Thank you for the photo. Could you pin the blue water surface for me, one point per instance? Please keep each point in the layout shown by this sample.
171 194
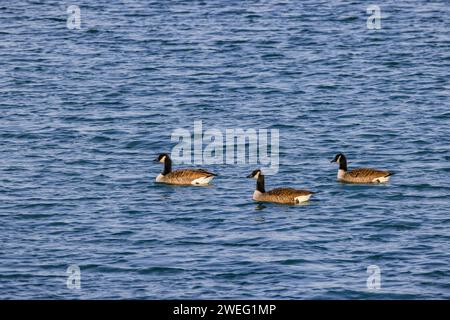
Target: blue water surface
84 113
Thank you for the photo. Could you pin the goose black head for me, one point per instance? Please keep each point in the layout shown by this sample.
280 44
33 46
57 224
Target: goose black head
255 174
338 158
163 157
341 160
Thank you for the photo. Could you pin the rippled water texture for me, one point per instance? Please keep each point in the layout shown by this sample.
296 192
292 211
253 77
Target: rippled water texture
84 113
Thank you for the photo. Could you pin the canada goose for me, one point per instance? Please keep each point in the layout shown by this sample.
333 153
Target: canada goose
359 175
182 176
278 195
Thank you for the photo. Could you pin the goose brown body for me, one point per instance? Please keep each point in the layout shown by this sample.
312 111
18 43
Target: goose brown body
284 195
187 176
278 195
182 176
365 175
359 175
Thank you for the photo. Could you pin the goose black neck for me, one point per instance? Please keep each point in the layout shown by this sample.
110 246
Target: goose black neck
343 163
167 166
260 184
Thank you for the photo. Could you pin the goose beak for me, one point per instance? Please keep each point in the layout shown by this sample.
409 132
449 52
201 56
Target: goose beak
332 161
249 176
156 160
